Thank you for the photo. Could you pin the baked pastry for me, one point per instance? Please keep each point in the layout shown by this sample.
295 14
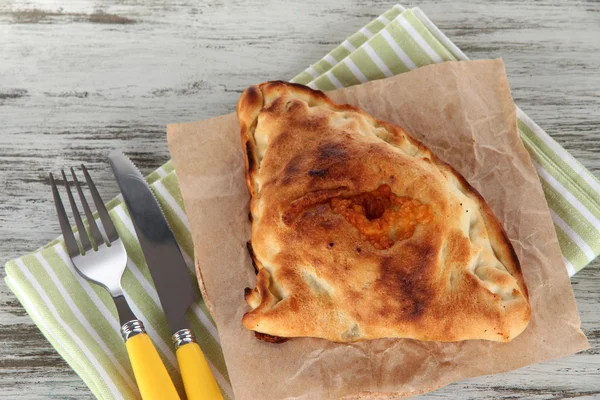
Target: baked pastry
360 232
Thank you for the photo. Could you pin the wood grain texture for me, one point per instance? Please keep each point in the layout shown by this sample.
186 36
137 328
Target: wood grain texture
81 78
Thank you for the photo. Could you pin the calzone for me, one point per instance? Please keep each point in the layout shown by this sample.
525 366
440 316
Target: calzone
360 232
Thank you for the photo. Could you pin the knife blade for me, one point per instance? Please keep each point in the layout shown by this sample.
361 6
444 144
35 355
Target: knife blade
169 273
163 256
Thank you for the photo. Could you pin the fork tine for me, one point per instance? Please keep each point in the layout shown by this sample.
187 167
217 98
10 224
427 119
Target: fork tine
83 235
65 227
98 239
109 227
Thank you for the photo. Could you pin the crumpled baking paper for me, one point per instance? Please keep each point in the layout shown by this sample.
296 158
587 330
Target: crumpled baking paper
463 111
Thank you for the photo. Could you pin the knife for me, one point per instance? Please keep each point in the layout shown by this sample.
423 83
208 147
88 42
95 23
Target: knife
169 273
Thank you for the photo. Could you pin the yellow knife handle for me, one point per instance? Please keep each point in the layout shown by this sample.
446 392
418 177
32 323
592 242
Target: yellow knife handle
198 379
150 373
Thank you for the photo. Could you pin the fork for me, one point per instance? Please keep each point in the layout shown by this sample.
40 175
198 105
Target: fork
103 262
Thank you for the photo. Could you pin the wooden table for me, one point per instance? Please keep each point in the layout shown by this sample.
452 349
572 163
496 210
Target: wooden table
78 80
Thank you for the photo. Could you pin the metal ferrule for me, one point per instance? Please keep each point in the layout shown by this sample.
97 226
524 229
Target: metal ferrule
183 336
132 328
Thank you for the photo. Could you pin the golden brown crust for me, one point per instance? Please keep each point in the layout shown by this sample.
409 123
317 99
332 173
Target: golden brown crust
455 277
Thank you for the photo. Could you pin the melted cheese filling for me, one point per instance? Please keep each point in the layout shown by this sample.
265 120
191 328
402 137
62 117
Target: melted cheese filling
381 216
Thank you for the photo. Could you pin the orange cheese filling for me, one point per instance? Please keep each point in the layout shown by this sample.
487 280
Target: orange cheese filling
381 216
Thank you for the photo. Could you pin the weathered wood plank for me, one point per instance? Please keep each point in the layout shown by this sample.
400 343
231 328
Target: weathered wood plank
80 78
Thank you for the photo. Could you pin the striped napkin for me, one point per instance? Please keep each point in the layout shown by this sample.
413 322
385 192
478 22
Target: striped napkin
79 319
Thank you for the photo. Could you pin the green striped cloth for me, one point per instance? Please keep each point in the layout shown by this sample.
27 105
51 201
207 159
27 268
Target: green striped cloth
79 319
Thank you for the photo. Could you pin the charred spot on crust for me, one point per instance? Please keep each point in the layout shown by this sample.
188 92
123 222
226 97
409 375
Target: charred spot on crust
252 95
247 292
270 338
250 217
291 169
329 151
417 309
407 285
250 156
317 172
252 256
326 223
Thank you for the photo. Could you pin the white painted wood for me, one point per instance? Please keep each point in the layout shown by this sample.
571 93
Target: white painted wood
75 84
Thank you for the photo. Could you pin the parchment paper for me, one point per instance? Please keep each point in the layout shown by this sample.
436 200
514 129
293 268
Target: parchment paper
464 112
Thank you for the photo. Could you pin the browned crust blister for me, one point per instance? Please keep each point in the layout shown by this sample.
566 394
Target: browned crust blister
282 305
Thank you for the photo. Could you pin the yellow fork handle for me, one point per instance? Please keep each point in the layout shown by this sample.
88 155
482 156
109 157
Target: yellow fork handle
197 377
150 373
